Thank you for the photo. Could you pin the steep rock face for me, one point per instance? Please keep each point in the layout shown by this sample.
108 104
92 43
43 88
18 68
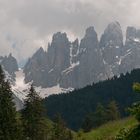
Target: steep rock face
59 57
111 45
74 51
112 35
9 64
67 64
36 67
44 69
91 68
59 52
70 75
131 54
80 63
86 62
88 66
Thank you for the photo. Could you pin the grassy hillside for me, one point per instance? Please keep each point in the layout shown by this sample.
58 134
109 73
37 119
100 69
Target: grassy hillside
109 130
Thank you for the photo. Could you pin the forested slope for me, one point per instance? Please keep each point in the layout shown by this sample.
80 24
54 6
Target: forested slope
74 106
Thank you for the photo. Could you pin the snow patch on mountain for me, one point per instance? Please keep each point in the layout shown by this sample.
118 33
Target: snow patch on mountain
45 92
136 39
123 57
51 70
20 80
69 69
20 88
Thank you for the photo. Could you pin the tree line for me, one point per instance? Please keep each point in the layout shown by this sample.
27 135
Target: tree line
76 105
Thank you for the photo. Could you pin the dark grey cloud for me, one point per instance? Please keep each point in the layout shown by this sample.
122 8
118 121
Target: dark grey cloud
26 25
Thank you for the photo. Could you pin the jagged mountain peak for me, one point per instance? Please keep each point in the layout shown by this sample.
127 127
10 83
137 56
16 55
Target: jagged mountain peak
76 64
90 32
10 58
114 29
132 32
39 52
10 55
9 64
59 41
114 25
90 40
41 49
59 36
112 36
76 42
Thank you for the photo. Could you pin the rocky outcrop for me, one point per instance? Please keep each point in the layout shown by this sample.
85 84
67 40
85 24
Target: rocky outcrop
111 45
36 67
68 64
45 68
131 54
59 58
88 67
91 67
80 63
9 65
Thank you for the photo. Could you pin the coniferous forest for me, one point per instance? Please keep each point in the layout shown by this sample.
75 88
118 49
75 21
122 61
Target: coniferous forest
75 106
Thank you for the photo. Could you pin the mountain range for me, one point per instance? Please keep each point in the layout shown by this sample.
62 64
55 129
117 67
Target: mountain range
80 63
77 64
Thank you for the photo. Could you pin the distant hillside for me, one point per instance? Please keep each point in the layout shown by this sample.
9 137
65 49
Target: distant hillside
109 130
76 105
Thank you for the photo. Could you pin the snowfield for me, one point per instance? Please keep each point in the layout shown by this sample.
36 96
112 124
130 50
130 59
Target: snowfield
20 88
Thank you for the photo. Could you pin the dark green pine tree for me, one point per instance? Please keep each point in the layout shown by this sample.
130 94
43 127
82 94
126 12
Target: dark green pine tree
99 117
32 115
8 121
87 124
113 111
59 131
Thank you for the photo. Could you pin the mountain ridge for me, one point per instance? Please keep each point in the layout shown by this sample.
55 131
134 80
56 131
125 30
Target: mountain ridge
80 63
74 65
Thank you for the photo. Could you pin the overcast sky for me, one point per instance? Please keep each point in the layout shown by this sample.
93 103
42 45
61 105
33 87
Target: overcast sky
25 25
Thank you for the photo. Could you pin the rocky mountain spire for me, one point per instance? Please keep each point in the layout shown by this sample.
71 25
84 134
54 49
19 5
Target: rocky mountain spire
88 67
131 55
80 63
111 45
112 36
